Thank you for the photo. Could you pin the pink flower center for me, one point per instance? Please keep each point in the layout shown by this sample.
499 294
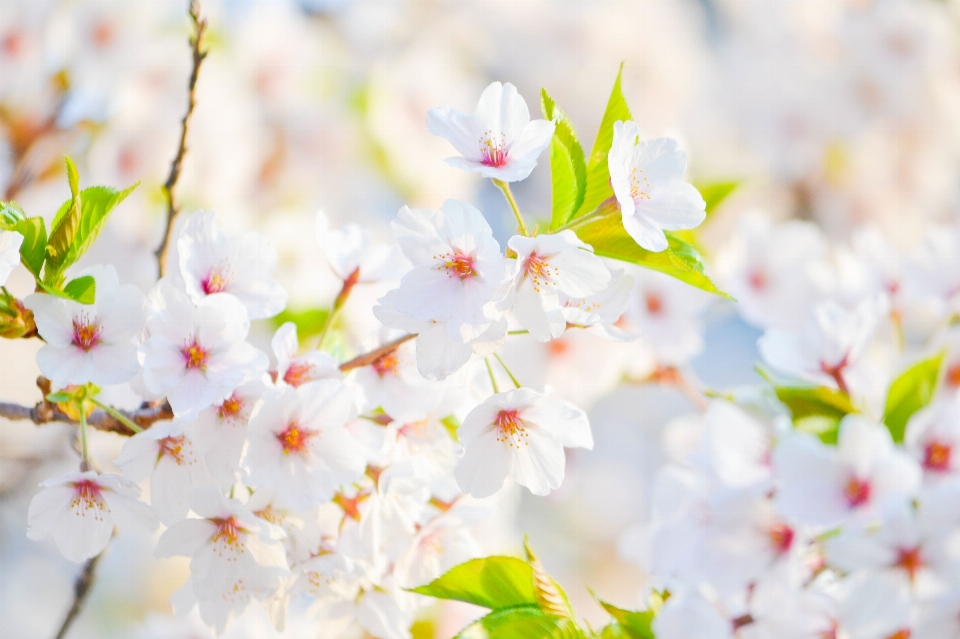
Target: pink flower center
230 408
216 280
386 364
294 439
836 372
758 280
781 537
654 303
195 356
857 492
936 456
459 265
298 373
510 428
910 560
539 271
86 332
228 531
173 447
953 376
88 498
493 151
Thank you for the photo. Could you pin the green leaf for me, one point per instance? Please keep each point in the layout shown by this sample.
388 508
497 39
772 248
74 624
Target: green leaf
680 260
568 168
816 409
309 322
33 249
910 392
63 229
714 193
11 214
491 582
633 624
82 289
521 622
550 595
60 397
598 173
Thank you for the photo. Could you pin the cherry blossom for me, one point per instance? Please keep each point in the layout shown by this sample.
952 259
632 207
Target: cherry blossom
545 267
933 438
220 432
601 312
80 509
10 242
498 140
211 263
89 342
298 445
296 369
196 355
519 434
647 178
352 253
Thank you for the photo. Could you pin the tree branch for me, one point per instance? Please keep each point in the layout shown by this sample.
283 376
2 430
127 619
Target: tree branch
81 588
173 207
369 358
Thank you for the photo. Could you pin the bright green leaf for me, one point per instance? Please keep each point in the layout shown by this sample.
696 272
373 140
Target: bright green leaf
60 397
909 393
63 229
309 322
714 193
521 622
598 174
11 214
635 625
82 289
491 582
680 260
34 246
816 409
568 168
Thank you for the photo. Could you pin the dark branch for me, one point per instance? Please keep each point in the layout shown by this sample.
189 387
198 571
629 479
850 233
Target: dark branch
81 588
173 207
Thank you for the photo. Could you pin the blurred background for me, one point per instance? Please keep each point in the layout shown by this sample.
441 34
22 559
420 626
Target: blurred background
841 113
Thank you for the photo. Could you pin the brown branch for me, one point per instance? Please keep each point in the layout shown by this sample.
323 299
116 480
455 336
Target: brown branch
173 207
81 588
369 358
45 412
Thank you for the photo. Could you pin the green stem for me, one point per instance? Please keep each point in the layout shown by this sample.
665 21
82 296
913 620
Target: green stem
338 304
84 456
493 380
520 332
509 374
606 208
507 193
120 417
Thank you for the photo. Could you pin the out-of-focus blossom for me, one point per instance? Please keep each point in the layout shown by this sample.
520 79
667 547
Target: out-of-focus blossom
10 242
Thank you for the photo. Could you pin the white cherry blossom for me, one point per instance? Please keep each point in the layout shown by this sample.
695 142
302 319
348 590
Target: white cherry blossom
294 369
498 140
601 312
89 342
196 355
10 242
547 266
933 438
298 445
220 431
211 263
80 509
167 454
647 178
519 434
352 252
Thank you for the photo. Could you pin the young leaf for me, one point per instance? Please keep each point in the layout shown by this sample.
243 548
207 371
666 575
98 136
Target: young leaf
909 393
568 168
10 214
714 193
309 321
816 410
63 229
82 289
598 173
634 625
551 597
491 582
521 622
681 260
33 249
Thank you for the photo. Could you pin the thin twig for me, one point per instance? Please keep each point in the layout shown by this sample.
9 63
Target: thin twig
81 589
173 207
369 358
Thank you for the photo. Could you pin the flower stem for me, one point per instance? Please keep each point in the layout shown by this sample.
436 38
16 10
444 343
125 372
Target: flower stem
493 380
84 456
509 374
520 332
120 417
507 193
339 303
604 209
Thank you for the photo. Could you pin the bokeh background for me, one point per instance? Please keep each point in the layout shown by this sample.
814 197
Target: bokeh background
842 113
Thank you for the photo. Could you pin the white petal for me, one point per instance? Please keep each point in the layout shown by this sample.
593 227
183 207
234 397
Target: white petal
486 462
